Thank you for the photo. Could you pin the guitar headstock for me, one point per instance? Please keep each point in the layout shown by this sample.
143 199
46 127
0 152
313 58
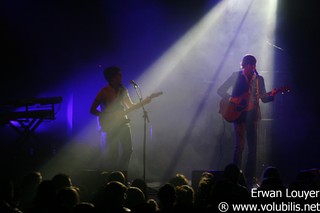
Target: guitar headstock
156 94
282 90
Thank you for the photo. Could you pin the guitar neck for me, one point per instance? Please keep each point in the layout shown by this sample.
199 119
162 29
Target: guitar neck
142 103
276 91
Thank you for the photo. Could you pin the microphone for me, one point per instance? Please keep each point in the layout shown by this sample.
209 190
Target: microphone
134 83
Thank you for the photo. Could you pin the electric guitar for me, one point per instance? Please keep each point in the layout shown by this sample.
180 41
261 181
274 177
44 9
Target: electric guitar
109 121
232 108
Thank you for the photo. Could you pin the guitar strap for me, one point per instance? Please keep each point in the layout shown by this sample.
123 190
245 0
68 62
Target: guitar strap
257 88
117 103
258 98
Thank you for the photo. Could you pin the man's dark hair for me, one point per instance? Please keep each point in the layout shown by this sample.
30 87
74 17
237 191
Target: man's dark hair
248 59
110 72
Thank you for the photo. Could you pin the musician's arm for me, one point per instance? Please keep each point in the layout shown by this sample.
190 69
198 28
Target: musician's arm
265 97
94 107
223 90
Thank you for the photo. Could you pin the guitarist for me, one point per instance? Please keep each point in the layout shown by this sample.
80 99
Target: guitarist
246 88
112 100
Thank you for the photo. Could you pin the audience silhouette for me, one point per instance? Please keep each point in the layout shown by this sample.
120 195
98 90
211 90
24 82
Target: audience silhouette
142 185
179 180
44 200
204 188
7 203
185 200
111 198
271 179
117 176
229 189
61 181
167 198
26 191
136 201
66 199
117 195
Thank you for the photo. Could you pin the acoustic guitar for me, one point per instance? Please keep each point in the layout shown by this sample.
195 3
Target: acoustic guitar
232 108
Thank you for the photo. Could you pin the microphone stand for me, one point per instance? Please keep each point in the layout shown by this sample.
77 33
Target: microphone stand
145 119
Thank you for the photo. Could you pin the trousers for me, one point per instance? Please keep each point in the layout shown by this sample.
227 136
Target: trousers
119 149
246 133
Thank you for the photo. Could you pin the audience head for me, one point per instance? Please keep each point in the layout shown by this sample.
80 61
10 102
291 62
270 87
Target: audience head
135 197
270 172
178 180
184 195
68 197
115 193
141 184
166 195
61 180
117 176
232 173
